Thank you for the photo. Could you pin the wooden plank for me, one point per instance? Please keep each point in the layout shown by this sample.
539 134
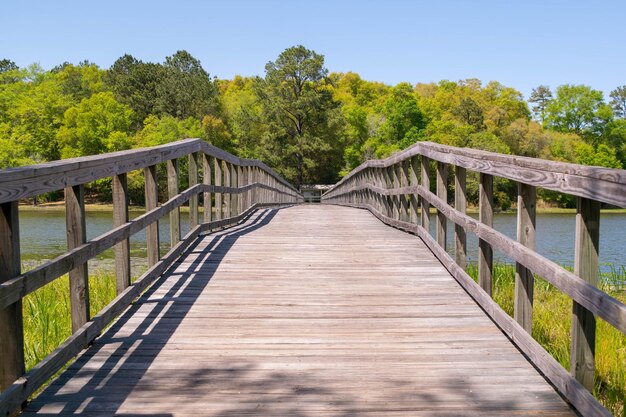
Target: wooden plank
442 192
194 160
120 217
425 178
172 191
460 204
524 280
568 386
485 252
217 335
153 241
582 351
207 180
11 327
76 236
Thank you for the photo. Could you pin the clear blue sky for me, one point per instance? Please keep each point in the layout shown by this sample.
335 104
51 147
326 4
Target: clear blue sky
519 43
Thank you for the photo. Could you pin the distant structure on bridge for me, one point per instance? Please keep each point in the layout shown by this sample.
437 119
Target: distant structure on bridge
312 193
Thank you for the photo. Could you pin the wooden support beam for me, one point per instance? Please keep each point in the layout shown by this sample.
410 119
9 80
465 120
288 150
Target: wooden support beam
582 352
76 236
485 216
227 183
172 190
524 280
413 180
442 193
11 326
207 180
153 240
120 217
425 177
217 165
194 160
460 204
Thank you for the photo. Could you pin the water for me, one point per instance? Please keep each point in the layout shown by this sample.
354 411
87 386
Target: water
42 235
555 238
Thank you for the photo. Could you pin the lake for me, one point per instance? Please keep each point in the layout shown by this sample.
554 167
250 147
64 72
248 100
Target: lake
42 234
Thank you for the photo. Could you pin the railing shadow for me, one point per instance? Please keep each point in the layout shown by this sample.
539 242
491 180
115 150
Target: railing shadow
164 318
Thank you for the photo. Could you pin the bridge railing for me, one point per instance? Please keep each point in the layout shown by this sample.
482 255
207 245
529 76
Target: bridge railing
397 191
231 187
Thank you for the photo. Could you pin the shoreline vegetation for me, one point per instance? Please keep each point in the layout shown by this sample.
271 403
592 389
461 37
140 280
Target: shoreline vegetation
47 325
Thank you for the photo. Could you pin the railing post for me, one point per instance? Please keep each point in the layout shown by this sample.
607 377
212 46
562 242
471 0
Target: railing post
442 193
413 170
152 200
120 217
582 351
76 236
193 180
425 176
485 252
234 182
206 180
11 327
460 204
172 189
217 165
227 183
404 167
524 280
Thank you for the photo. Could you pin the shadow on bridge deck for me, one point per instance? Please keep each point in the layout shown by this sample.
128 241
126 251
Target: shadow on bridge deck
311 310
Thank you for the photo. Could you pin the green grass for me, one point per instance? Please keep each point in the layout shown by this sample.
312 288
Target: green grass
552 315
47 313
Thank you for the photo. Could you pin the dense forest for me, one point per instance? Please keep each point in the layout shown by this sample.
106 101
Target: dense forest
310 125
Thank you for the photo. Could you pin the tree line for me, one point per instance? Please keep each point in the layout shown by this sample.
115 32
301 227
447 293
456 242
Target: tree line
310 125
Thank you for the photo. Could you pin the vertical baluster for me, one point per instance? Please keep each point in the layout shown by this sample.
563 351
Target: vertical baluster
76 236
234 198
172 190
485 252
120 217
193 180
227 183
404 182
413 170
206 180
524 280
442 193
460 204
152 200
425 177
585 266
217 165
11 325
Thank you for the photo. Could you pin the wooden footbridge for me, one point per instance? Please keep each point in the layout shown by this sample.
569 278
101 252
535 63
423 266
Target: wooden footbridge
269 307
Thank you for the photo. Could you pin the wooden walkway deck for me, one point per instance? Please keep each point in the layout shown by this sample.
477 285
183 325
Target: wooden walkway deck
306 311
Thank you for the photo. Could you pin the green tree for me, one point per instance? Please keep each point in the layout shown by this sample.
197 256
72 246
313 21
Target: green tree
96 125
79 81
135 84
186 90
540 96
574 109
618 101
304 123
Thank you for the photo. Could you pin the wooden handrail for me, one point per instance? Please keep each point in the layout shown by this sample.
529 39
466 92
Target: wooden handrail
245 186
397 191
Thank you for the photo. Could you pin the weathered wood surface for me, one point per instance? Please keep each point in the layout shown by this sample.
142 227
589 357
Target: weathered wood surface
597 183
302 312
